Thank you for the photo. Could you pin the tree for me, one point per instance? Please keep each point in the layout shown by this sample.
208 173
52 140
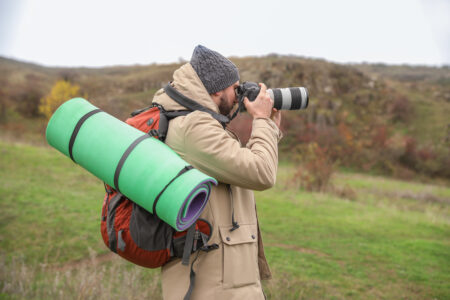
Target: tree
27 95
60 93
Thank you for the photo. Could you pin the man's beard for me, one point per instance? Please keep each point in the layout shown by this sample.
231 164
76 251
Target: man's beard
224 106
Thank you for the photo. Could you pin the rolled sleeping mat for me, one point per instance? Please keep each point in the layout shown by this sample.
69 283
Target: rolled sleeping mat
137 165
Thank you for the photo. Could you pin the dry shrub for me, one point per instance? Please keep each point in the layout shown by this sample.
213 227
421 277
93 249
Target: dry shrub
27 101
338 140
315 168
426 159
345 192
380 135
400 109
402 172
433 160
409 157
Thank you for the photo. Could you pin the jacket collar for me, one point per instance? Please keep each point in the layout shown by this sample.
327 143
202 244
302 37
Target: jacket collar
187 82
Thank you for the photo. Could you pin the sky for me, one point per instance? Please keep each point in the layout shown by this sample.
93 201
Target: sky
96 33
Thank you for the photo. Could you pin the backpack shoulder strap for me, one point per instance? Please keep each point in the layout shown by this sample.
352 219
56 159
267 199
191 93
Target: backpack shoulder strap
164 118
192 105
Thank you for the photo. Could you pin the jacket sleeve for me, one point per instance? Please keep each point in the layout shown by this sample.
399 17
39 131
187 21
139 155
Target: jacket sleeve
212 150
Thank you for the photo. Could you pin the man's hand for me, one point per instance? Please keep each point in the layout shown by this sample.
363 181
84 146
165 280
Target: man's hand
262 106
276 116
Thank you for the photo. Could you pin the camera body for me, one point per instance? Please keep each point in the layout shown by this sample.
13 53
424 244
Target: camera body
292 98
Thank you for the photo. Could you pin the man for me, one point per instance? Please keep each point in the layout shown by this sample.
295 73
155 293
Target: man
235 269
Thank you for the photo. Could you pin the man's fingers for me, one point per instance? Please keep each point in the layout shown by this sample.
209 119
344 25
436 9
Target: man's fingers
263 87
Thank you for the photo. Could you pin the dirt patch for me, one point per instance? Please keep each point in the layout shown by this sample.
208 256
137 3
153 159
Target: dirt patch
307 251
299 249
423 197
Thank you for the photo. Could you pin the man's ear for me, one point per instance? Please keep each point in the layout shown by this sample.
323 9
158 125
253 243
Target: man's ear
216 94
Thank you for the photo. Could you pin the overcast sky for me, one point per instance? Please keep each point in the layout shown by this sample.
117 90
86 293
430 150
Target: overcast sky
110 32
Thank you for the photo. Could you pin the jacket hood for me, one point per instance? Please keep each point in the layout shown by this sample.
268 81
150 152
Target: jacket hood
187 82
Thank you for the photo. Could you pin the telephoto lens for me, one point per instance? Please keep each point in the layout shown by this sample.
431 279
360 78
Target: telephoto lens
292 98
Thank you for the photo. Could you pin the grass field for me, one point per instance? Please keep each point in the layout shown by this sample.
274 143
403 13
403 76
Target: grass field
390 240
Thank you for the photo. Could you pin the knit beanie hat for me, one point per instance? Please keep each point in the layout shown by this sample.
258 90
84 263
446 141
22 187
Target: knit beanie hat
215 71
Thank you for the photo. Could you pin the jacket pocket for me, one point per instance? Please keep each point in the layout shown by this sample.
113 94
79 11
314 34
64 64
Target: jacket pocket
240 256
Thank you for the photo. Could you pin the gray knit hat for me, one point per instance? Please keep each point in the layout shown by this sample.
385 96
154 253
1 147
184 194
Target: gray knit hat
215 70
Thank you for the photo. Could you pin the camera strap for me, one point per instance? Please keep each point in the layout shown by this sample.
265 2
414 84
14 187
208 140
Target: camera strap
192 105
240 107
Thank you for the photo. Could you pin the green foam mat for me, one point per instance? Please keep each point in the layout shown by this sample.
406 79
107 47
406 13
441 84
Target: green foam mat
99 145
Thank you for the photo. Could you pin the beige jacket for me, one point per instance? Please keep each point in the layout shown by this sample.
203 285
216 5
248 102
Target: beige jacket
235 270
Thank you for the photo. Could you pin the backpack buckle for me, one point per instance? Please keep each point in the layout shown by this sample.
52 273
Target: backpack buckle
208 248
153 132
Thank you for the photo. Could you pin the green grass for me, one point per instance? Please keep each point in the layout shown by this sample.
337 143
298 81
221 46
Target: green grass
50 207
354 246
391 242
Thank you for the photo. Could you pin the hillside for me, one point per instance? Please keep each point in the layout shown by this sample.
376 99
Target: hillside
378 118
336 225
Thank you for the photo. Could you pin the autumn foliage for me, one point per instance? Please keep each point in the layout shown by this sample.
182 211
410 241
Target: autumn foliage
373 118
60 93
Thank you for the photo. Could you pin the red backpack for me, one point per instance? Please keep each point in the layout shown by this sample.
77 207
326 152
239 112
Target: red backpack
134 233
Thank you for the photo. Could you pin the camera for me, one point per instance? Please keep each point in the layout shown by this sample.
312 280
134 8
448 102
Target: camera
292 98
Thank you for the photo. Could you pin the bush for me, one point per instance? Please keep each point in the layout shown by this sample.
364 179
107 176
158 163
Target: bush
409 157
345 192
60 93
400 109
27 101
315 168
433 160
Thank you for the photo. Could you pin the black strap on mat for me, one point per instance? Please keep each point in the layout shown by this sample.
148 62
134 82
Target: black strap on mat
124 158
184 170
77 129
192 105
